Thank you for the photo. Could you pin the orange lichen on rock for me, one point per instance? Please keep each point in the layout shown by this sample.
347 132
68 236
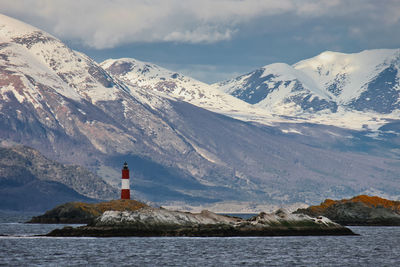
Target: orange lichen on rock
371 201
359 210
374 201
327 203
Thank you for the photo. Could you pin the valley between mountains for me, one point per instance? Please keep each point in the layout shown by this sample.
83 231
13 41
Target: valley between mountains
280 135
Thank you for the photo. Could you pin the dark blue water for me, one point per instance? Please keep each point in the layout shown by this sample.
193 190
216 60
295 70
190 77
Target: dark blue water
376 246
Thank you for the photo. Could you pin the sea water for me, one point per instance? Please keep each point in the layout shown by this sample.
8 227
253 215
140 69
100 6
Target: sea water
375 246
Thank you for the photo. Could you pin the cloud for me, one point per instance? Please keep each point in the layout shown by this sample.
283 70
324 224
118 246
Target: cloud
109 23
207 73
204 34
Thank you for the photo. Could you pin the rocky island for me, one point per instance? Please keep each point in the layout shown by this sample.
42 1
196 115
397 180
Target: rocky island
149 221
360 210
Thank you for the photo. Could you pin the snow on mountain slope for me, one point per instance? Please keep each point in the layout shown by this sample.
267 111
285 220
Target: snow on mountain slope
152 77
47 54
280 89
63 103
345 75
274 94
329 88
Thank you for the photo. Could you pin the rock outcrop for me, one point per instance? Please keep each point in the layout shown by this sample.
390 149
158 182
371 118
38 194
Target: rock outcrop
160 222
359 210
84 213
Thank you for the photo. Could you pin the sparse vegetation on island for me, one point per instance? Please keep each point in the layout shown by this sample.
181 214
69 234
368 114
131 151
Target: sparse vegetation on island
83 213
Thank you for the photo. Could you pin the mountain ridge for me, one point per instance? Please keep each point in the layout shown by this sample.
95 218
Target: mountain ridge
279 93
159 80
327 87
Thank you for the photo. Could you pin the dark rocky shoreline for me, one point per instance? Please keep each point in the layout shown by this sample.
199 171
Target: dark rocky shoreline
198 231
150 222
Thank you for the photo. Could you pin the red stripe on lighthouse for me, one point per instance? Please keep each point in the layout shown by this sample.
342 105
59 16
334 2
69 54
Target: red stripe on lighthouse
125 188
125 194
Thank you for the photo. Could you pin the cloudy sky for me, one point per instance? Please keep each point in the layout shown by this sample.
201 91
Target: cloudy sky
213 40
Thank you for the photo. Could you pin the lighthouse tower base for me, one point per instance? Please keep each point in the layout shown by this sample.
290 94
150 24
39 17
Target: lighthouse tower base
125 194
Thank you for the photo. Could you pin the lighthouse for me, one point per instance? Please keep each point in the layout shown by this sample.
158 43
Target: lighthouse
125 191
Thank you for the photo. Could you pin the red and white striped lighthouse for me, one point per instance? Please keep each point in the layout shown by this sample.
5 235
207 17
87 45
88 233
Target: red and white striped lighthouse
125 191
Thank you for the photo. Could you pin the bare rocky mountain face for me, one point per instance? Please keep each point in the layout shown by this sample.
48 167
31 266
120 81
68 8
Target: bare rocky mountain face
65 105
31 182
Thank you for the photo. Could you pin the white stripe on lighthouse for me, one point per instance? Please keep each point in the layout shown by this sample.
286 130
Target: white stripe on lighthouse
125 184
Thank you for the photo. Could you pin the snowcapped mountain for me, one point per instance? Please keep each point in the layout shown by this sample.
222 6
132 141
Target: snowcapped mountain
365 81
71 109
45 83
362 85
62 103
279 87
73 74
152 77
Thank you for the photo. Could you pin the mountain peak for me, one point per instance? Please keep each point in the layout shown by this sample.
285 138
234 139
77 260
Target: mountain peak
277 68
365 57
49 61
130 68
11 28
